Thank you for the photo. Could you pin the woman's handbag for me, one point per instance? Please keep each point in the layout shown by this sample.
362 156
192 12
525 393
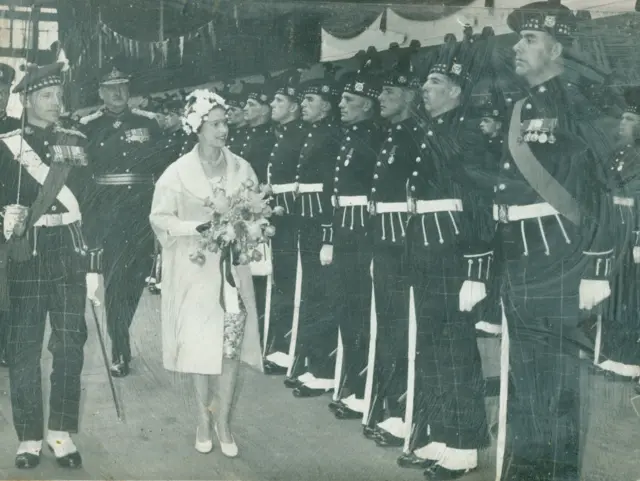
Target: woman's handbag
263 267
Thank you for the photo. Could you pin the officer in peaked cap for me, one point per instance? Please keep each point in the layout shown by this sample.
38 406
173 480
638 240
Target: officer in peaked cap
447 211
290 133
387 375
129 152
554 212
237 123
50 254
620 330
349 249
7 124
315 334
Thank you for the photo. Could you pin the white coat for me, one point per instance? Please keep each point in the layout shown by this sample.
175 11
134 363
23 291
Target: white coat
192 317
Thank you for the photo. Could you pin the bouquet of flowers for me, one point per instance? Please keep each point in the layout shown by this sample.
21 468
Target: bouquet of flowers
239 224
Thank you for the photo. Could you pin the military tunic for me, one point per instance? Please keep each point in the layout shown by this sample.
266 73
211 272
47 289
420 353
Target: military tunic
545 260
389 209
317 332
281 173
352 253
448 215
236 138
128 156
256 147
49 281
621 321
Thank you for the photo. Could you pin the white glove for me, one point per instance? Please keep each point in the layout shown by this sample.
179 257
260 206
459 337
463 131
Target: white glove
471 293
593 292
326 254
93 281
636 255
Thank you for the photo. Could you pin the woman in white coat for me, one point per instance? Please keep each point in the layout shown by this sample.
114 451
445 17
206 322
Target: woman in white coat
198 337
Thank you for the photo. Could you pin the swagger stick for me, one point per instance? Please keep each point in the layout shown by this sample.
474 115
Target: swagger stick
106 363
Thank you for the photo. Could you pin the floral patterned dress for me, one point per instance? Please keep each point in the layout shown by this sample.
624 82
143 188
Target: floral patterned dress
234 322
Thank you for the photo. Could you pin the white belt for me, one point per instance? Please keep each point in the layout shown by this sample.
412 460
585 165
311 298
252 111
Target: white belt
390 207
349 200
55 220
124 179
283 188
625 201
309 188
440 205
510 213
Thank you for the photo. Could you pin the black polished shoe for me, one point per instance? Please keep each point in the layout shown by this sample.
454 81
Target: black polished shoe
335 405
388 440
120 369
292 382
27 460
344 412
272 369
304 392
411 461
438 473
371 433
71 460
637 388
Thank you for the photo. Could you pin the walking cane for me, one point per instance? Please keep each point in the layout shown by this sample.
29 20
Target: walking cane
106 362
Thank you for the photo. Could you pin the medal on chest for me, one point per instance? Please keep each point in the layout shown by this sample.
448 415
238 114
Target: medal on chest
137 135
392 155
117 124
347 161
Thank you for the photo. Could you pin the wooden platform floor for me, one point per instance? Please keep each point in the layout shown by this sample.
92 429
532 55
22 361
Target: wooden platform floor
281 438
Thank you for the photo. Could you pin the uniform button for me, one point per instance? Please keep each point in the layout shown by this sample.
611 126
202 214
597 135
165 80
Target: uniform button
46 142
338 169
399 127
305 145
373 190
53 208
415 173
129 187
124 154
121 138
528 106
413 188
375 176
343 148
48 155
336 179
390 139
418 160
310 134
127 171
348 139
378 164
507 165
297 177
502 187
335 190
430 132
423 146
273 154
101 144
384 151
276 144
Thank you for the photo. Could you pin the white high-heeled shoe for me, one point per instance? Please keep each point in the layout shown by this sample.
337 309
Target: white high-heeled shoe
230 450
204 447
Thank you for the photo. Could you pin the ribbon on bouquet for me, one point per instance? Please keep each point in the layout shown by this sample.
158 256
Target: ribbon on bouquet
228 288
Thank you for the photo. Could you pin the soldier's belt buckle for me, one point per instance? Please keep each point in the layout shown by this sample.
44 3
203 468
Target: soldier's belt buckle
372 208
503 214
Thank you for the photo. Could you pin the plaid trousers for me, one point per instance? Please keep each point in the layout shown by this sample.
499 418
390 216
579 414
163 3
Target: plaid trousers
52 282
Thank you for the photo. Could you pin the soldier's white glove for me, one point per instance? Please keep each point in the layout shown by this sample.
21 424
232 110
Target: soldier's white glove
326 254
636 255
93 282
471 293
593 292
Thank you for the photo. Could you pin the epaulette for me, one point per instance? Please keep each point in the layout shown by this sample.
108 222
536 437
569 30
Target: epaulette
11 134
71 132
144 113
88 118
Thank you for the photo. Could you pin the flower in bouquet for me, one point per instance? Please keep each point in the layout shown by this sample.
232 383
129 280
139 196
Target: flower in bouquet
199 103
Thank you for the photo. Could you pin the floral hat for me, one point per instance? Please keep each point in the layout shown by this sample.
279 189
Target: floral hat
199 103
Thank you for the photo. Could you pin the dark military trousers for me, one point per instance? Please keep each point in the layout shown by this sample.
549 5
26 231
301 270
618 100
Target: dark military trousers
391 290
4 333
53 282
284 247
260 289
317 337
352 263
128 258
547 415
448 396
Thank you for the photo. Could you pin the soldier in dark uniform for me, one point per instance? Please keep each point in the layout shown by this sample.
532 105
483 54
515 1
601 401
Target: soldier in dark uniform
387 375
46 258
557 250
128 155
7 124
350 250
290 132
445 405
314 339
237 122
259 137
619 348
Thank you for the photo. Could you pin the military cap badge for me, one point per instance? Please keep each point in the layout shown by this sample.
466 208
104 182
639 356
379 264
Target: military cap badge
291 91
550 21
359 87
456 69
325 89
402 79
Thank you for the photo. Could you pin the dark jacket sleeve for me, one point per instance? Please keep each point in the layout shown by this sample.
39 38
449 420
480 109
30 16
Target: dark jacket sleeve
330 151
